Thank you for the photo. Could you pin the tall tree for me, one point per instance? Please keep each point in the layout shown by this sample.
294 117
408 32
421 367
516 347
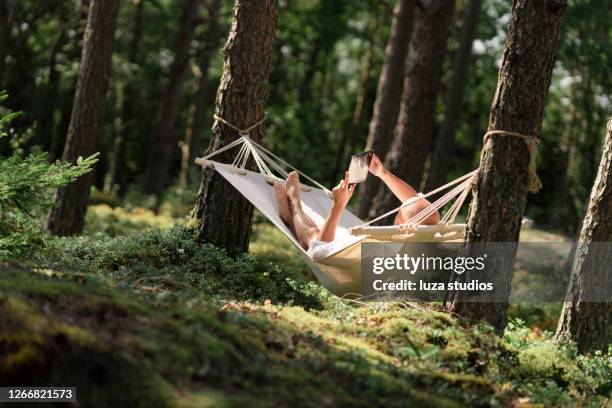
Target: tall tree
585 317
222 215
415 125
46 121
388 94
197 119
7 17
445 142
68 215
505 173
130 94
360 101
164 135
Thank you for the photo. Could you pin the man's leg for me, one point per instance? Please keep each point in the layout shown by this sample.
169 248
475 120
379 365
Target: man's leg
304 227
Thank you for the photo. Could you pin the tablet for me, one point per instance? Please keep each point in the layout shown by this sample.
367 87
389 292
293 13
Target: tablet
358 169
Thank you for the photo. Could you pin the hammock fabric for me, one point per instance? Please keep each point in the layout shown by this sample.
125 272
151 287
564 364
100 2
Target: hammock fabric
340 272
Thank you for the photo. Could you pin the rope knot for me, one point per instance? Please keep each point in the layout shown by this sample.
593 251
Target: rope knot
242 132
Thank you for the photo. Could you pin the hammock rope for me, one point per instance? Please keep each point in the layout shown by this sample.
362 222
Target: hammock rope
266 161
244 131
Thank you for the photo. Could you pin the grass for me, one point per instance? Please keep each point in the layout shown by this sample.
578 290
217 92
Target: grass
153 319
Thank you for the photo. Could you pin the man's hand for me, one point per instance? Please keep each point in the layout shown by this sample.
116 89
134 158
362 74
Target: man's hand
376 166
343 192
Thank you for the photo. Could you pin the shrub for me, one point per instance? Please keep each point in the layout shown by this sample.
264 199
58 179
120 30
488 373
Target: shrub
26 184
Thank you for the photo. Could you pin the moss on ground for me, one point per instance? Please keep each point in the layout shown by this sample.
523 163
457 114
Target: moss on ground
156 320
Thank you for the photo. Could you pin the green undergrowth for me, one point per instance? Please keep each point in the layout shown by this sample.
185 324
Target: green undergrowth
153 319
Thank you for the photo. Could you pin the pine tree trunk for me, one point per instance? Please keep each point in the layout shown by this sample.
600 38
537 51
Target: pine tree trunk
500 191
197 121
413 135
68 215
130 94
445 143
222 215
583 320
164 135
388 95
360 101
7 17
46 122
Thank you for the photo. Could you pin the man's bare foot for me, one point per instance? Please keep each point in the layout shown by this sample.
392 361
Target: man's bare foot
293 190
284 208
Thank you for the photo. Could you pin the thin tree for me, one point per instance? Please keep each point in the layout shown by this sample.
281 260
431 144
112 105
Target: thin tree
445 142
85 128
52 93
586 315
221 214
506 169
388 94
197 120
164 135
413 136
7 18
129 95
352 138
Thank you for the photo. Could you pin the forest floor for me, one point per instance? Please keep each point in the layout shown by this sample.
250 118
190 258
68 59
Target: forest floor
136 313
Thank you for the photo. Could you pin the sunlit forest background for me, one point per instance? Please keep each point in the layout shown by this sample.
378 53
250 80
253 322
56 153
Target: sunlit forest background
327 56
137 311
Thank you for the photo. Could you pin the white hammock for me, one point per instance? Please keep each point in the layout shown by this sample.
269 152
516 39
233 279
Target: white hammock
340 272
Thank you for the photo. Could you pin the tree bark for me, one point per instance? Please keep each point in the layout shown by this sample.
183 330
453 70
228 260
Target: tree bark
360 102
52 92
7 17
500 189
388 95
445 143
68 215
584 320
197 121
414 131
221 214
130 94
164 135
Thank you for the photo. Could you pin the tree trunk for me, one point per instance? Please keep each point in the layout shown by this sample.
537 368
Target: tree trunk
388 95
500 191
414 131
7 17
130 94
164 135
222 215
584 320
68 215
46 123
197 121
445 143
358 109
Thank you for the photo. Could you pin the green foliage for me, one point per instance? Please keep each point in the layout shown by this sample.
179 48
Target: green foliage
26 185
173 259
171 345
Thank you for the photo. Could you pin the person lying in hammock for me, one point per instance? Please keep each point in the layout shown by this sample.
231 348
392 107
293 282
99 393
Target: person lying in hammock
319 242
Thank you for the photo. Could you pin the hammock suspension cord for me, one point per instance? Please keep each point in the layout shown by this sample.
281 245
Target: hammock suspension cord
265 160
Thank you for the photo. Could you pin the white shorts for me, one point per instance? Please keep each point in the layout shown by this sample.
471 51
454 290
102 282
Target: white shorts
319 249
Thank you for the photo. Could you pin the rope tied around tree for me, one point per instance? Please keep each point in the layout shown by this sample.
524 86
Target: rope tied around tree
533 184
242 132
